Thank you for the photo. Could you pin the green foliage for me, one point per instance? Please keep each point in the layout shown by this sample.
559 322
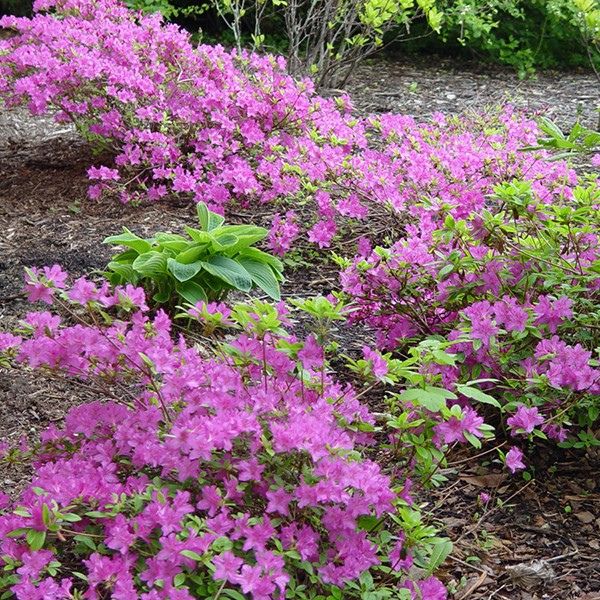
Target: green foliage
579 141
203 265
168 8
524 34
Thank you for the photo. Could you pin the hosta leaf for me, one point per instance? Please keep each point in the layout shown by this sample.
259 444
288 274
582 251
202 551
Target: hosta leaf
224 242
259 255
130 240
183 272
150 263
124 270
244 242
208 219
202 237
127 256
165 290
243 230
192 292
192 254
172 241
262 275
229 271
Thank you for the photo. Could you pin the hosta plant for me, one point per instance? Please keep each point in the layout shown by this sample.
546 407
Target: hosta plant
203 265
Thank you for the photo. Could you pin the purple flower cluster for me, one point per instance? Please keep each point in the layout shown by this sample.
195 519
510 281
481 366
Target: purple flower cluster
219 126
509 284
233 469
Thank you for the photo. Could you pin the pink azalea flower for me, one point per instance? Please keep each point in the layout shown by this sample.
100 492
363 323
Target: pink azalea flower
525 419
379 365
514 460
311 354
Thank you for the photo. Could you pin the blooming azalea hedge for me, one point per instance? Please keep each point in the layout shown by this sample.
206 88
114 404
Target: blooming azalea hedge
223 127
245 469
198 476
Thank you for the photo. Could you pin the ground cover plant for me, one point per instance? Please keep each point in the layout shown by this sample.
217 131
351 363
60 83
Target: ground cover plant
201 476
229 455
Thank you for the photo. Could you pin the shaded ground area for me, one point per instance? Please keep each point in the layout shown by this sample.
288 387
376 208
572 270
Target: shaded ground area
46 218
429 84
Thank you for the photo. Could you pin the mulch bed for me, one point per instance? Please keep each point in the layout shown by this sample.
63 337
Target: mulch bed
46 218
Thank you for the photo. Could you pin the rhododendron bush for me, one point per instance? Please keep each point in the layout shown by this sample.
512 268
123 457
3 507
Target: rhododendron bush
218 126
201 475
512 289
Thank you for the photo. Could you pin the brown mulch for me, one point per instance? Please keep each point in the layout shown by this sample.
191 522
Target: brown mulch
47 219
427 84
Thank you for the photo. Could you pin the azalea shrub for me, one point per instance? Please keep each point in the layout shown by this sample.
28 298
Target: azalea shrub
225 127
512 289
239 469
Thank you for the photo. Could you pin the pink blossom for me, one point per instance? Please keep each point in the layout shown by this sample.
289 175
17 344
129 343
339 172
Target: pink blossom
514 460
525 419
454 429
311 354
379 365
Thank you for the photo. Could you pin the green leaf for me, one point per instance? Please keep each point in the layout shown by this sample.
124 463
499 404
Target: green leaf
262 275
269 259
35 539
165 290
124 270
126 257
86 540
208 219
472 439
130 240
199 236
550 128
17 532
431 398
229 271
192 254
192 292
233 594
150 263
477 394
71 517
224 242
193 555
246 235
439 554
172 241
183 272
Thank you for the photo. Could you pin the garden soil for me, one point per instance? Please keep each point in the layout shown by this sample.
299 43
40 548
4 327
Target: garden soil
541 542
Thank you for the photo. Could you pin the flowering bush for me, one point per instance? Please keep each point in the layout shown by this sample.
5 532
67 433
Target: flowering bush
513 289
198 476
219 126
